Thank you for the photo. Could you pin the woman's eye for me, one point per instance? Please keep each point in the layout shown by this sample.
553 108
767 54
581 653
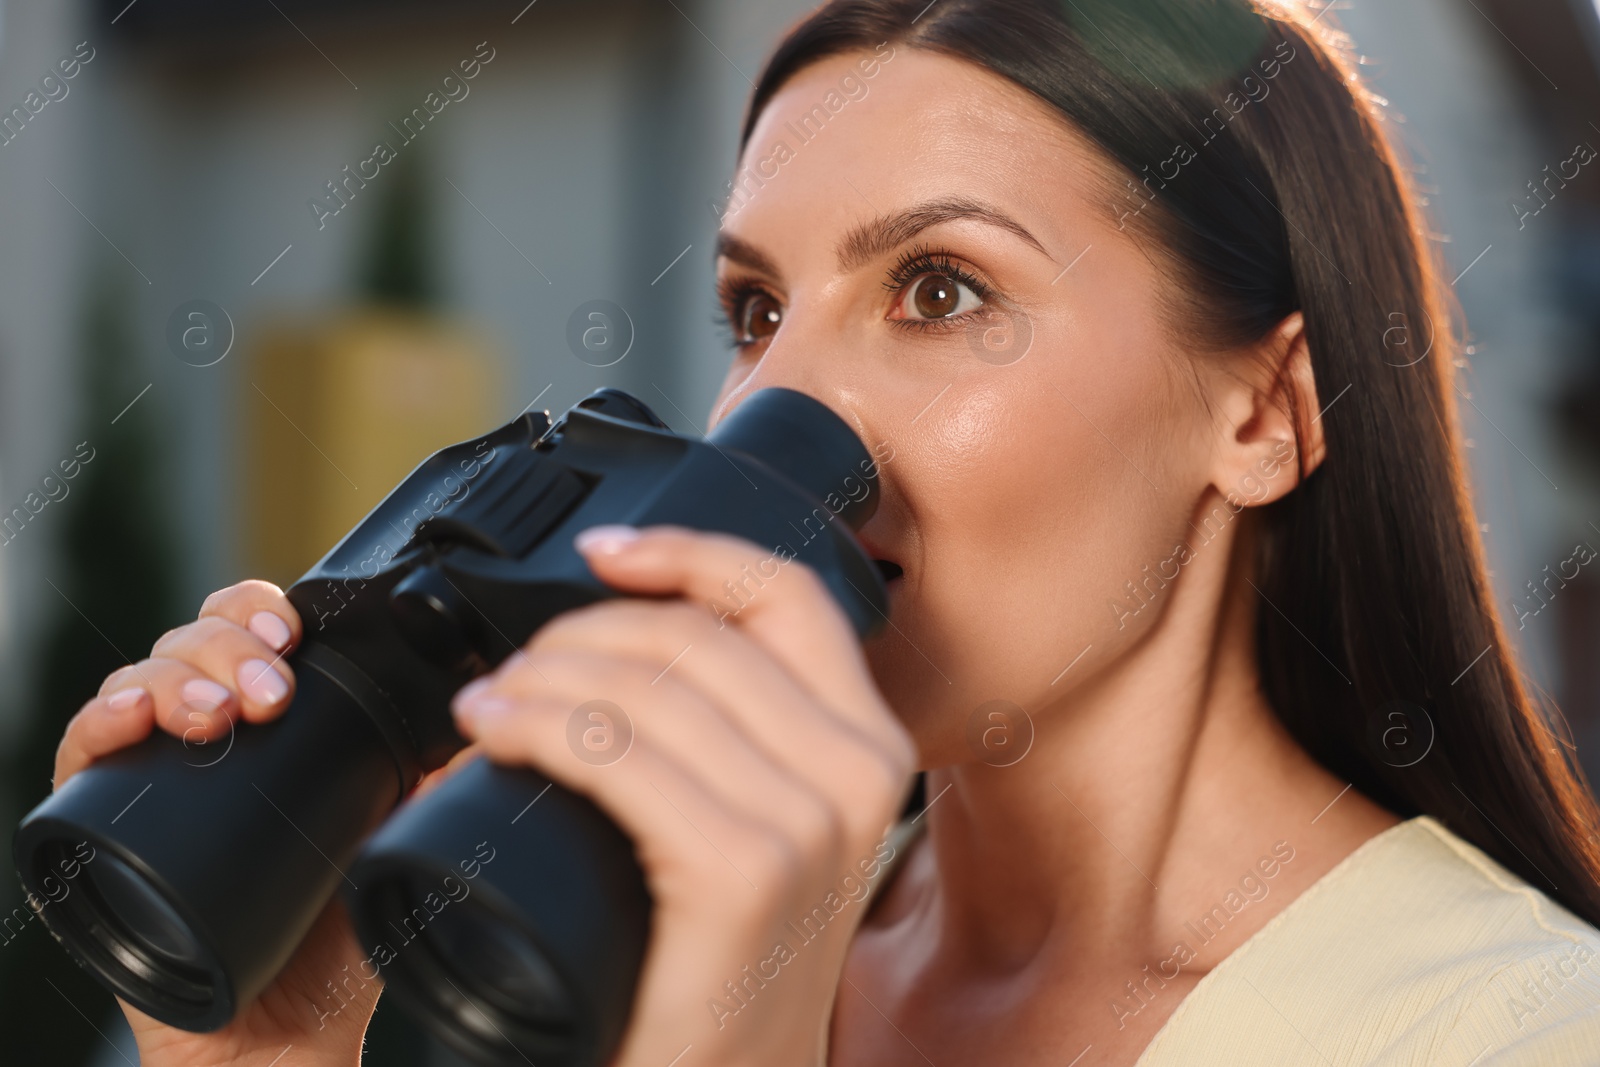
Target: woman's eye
938 296
759 316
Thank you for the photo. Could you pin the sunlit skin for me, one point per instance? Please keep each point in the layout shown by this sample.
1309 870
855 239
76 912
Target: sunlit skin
1020 496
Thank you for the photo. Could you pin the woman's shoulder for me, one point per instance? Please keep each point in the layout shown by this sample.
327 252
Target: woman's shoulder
1416 948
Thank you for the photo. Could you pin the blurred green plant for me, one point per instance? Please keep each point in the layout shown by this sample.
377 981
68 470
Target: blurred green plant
400 262
115 579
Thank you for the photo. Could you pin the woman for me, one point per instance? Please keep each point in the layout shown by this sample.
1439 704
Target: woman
1227 759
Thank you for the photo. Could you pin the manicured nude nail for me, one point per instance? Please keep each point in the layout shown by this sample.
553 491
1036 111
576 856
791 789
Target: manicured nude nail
484 706
205 692
271 629
259 681
606 540
126 699
473 690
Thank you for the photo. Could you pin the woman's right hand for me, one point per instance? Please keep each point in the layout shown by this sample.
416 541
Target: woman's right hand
198 681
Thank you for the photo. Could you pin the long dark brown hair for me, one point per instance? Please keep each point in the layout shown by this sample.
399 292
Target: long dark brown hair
1379 646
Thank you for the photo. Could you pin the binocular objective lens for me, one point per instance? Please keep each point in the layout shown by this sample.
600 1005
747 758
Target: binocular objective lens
499 963
142 913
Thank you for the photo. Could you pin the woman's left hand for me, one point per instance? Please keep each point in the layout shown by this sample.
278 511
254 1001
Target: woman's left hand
764 770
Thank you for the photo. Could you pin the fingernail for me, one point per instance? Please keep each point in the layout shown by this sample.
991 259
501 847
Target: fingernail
204 691
259 682
482 707
271 629
473 690
606 540
125 699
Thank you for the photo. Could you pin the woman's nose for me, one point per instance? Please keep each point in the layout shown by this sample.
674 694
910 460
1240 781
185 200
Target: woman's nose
801 359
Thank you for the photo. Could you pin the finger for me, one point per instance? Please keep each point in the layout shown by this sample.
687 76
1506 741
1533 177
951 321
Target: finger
102 726
738 676
689 729
683 833
782 605
189 704
259 607
235 658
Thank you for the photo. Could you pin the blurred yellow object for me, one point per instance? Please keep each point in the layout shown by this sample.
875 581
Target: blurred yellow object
336 413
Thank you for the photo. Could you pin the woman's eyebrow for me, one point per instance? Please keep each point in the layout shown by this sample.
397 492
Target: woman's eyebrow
872 239
883 234
746 254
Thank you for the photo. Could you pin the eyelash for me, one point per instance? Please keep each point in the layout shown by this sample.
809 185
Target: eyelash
921 260
731 295
913 264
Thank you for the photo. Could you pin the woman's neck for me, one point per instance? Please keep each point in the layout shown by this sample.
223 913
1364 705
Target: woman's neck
1150 794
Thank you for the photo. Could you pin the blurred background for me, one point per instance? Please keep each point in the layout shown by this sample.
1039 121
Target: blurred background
229 323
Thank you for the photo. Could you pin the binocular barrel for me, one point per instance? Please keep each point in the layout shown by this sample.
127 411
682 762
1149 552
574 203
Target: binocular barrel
207 863
507 912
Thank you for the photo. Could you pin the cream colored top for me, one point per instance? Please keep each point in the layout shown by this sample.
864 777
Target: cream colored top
1416 949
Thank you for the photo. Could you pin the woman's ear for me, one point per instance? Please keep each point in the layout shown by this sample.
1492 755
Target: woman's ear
1271 436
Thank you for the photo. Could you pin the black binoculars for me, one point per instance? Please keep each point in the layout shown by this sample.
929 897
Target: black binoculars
508 913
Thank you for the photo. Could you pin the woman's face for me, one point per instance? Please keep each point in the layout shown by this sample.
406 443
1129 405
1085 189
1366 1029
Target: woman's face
925 254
